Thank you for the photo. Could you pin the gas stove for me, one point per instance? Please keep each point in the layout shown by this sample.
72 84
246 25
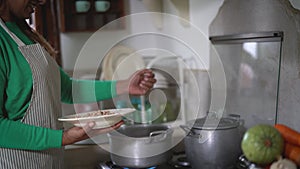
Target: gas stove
178 161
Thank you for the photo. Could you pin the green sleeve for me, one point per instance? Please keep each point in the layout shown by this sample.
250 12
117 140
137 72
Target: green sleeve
85 91
17 135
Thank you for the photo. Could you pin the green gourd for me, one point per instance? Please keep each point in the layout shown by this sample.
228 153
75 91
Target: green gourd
262 144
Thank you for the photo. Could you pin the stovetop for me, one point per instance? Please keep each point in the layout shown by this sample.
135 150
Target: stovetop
178 161
110 165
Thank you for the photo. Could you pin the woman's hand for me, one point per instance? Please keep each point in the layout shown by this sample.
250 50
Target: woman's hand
76 134
138 84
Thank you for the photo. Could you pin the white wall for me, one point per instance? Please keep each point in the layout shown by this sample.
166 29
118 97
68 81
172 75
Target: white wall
190 41
73 43
201 14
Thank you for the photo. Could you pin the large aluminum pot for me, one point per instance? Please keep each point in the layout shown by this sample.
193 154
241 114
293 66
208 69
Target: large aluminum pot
213 143
141 146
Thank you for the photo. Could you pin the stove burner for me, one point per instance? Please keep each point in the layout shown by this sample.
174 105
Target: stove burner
179 160
145 168
110 165
182 161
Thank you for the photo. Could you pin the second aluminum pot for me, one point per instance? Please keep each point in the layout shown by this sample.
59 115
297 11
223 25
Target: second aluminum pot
213 143
141 146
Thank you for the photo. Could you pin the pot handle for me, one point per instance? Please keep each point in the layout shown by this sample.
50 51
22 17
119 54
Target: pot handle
187 129
202 136
235 117
153 139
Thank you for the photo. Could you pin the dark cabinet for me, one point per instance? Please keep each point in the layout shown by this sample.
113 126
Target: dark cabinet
90 17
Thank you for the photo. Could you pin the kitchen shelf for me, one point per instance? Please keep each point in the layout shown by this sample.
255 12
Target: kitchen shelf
90 21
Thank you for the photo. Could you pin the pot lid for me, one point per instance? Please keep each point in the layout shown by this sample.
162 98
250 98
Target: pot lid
215 123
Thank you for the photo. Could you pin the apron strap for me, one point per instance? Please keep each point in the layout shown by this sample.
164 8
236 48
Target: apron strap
12 35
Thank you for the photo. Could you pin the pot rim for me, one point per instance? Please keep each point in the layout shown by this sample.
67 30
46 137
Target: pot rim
117 135
215 123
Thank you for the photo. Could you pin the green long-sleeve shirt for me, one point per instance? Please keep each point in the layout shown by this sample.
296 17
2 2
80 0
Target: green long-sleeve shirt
15 94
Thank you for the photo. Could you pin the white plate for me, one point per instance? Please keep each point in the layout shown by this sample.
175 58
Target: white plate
102 118
120 63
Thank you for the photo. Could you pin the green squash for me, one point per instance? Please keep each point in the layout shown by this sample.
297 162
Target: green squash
262 144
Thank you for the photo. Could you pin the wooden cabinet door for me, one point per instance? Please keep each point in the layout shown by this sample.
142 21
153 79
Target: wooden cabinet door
73 21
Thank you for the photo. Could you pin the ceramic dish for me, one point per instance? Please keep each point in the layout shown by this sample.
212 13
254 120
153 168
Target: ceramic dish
102 118
120 63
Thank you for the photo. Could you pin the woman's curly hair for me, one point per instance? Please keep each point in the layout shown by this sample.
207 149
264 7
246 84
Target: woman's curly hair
38 38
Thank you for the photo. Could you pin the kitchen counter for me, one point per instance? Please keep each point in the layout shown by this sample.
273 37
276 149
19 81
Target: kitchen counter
84 156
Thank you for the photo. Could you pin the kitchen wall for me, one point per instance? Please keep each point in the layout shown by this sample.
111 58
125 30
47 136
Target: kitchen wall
200 14
270 15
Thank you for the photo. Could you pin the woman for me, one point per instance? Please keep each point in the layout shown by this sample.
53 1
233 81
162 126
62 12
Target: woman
31 88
